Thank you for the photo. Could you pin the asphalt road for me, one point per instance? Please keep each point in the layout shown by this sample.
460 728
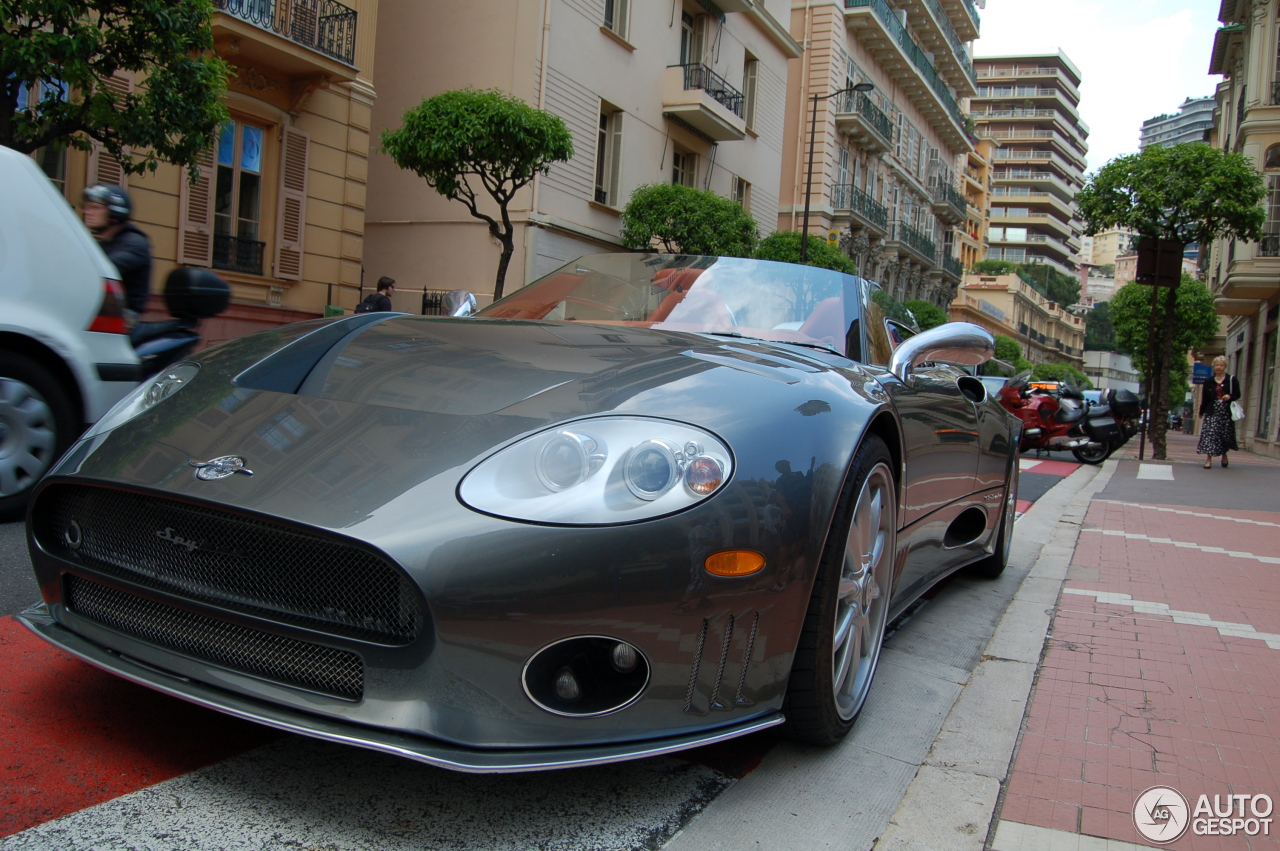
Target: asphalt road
18 587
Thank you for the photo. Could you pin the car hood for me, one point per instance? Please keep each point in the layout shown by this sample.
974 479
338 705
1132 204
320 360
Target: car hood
341 420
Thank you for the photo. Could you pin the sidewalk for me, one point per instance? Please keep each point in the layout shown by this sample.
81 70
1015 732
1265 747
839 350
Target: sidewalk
1160 668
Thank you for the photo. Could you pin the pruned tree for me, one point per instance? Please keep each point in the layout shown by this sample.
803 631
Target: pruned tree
1186 193
683 220
66 71
489 137
784 246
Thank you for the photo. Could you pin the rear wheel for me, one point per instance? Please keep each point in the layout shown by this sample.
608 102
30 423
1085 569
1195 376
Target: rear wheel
36 425
1092 453
993 565
844 626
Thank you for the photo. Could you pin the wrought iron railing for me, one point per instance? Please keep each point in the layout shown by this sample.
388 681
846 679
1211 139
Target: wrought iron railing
957 46
952 266
699 76
1269 245
947 194
917 56
858 103
236 254
846 196
325 26
914 239
973 13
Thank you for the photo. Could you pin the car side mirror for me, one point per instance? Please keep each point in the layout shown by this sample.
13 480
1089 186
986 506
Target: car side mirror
955 342
458 303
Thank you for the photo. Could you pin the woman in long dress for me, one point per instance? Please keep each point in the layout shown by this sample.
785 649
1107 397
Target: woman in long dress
1217 429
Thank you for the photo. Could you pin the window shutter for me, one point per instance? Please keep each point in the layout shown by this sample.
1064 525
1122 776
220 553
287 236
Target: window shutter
195 243
291 218
103 167
615 157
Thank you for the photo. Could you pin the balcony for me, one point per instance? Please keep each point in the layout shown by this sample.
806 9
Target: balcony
1069 145
948 203
919 244
937 35
300 38
1034 72
871 213
884 36
1072 128
952 267
1023 93
863 122
235 254
702 99
1046 180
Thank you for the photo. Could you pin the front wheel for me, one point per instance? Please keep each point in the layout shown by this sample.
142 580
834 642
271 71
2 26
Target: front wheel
848 610
1092 453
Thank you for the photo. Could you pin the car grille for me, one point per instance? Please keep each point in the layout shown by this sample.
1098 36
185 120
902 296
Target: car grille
250 651
246 564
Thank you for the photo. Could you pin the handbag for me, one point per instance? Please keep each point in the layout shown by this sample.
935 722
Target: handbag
1237 411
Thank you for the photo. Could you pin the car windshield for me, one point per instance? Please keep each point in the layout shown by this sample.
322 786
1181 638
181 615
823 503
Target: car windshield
758 299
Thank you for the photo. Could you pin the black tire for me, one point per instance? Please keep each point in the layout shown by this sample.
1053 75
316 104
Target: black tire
37 424
840 641
1093 453
993 565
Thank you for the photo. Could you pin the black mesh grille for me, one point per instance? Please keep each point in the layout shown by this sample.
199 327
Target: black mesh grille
254 566
259 654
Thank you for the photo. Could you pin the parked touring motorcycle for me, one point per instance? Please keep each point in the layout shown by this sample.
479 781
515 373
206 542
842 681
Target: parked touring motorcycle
190 294
1067 420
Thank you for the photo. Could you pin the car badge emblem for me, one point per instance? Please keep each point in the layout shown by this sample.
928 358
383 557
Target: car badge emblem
219 468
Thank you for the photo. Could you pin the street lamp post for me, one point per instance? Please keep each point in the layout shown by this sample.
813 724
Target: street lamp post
813 132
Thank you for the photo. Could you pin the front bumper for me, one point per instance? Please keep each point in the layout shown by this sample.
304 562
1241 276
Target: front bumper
440 754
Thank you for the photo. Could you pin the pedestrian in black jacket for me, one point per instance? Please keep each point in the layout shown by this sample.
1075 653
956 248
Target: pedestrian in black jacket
107 210
381 300
1218 430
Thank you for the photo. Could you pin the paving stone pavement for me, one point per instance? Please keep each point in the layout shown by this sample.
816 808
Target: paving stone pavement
1161 668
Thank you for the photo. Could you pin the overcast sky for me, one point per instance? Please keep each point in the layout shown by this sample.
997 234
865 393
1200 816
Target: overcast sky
1137 58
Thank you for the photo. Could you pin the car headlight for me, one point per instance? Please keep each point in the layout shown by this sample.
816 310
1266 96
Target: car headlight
600 471
145 396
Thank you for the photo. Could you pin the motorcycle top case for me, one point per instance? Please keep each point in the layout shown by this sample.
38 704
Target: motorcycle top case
1124 403
192 293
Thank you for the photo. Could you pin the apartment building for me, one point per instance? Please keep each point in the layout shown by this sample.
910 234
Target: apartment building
1104 247
977 201
1030 104
887 161
1008 305
688 92
1190 123
279 209
1245 277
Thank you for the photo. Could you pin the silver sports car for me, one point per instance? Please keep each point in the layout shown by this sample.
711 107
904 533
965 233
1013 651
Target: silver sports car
645 503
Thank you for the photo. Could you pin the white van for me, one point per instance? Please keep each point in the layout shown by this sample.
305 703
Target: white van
65 358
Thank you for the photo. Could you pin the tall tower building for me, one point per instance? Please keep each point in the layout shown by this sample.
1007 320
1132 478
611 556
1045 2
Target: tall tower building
1189 124
1030 105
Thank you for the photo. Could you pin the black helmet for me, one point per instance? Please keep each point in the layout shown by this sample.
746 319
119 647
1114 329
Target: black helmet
114 198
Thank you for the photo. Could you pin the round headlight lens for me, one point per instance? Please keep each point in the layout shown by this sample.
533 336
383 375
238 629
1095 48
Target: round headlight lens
651 469
703 475
564 461
146 396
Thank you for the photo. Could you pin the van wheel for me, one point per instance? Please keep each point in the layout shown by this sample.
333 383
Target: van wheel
36 427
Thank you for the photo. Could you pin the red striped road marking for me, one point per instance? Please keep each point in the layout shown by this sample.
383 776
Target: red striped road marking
75 736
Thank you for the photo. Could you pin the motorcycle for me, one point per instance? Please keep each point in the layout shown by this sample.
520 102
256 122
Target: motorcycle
1064 421
190 295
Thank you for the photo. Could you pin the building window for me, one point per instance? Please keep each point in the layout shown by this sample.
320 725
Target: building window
684 168
693 38
608 157
742 193
52 158
750 83
616 13
1272 159
237 207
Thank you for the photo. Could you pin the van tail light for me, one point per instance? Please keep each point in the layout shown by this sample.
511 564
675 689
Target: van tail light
110 318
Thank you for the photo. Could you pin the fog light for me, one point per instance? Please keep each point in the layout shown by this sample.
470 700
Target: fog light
624 657
734 563
73 536
567 687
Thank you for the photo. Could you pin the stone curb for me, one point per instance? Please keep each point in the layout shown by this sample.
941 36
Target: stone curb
952 800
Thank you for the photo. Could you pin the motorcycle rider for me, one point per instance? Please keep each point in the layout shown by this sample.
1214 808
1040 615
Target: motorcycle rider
107 213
